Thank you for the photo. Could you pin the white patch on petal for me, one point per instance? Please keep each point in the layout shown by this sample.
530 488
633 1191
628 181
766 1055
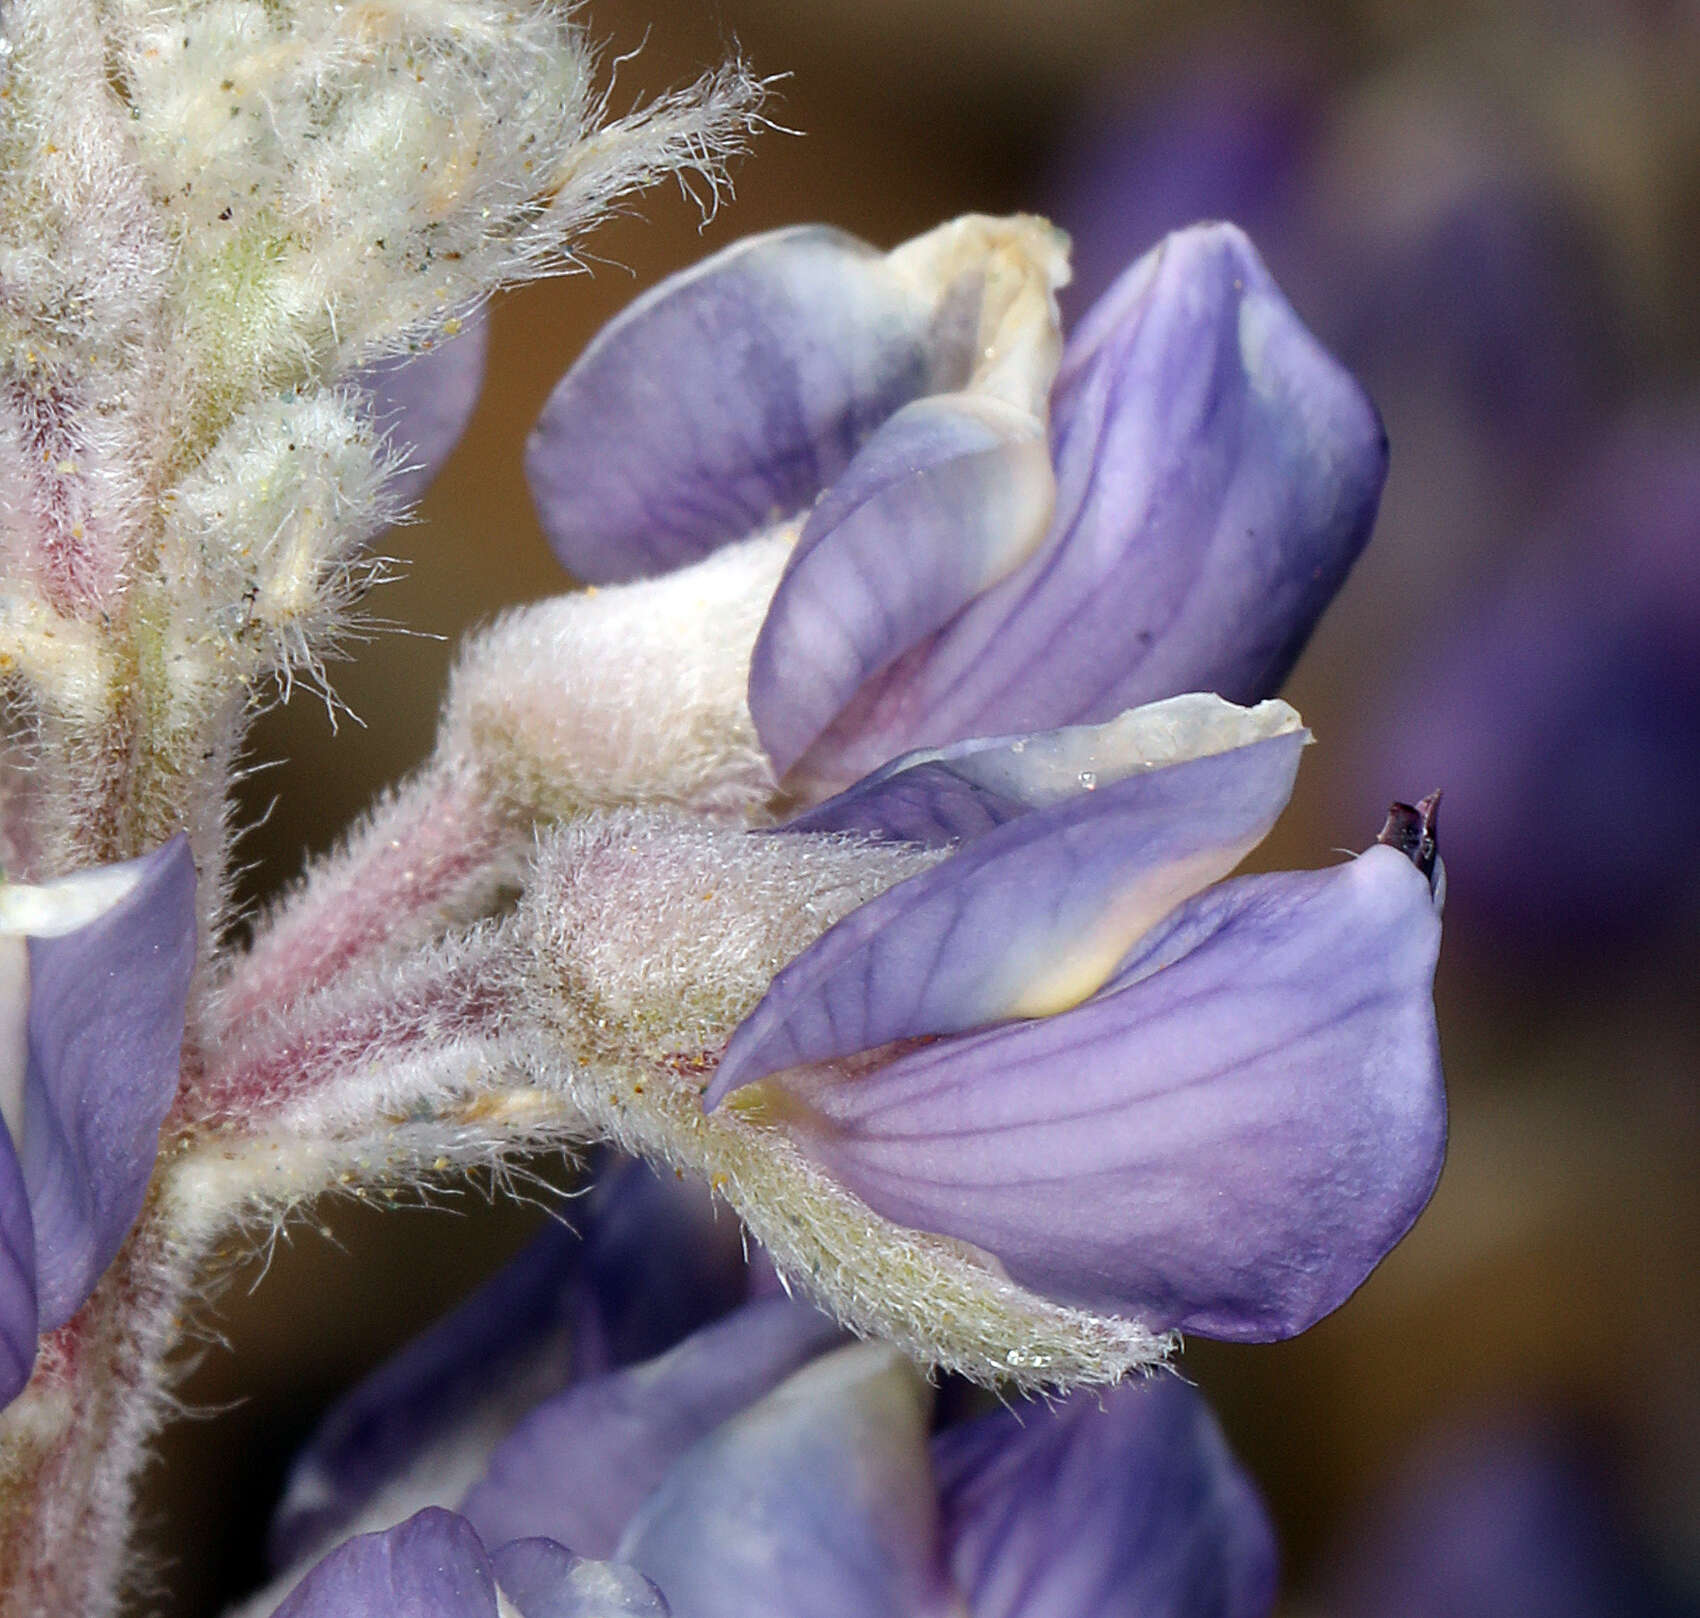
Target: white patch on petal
1020 491
64 906
1060 973
14 1032
1056 765
1012 335
1065 966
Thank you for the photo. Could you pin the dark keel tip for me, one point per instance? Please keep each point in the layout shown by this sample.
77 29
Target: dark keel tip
1413 830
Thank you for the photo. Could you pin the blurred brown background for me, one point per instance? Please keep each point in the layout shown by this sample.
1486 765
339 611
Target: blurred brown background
1557 1258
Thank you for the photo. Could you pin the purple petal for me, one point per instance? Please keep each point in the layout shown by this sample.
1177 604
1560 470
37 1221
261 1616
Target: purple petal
949 496
438 1379
105 1039
725 398
1125 1501
919 798
654 1264
660 1260
578 1466
816 1503
1227 1138
423 402
1031 917
545 1580
431 1566
17 1276
1217 474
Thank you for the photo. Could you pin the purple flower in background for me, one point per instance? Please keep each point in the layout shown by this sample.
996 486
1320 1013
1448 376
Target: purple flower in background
990 536
1433 242
94 977
1509 1514
1567 697
1208 1107
1230 131
627 1344
760 1468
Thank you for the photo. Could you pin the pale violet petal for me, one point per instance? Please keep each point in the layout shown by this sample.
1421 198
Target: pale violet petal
431 1566
1031 917
729 397
815 1503
106 1014
17 1276
947 497
724 399
1125 1500
578 1466
1217 473
1226 1139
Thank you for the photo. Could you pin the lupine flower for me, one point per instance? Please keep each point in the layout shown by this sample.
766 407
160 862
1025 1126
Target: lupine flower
1210 1109
948 527
987 540
94 976
980 547
761 1468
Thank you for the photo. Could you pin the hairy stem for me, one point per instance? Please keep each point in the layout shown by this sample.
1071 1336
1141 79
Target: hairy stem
74 1442
437 849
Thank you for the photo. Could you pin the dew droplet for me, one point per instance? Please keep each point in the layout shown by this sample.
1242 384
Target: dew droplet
1088 780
